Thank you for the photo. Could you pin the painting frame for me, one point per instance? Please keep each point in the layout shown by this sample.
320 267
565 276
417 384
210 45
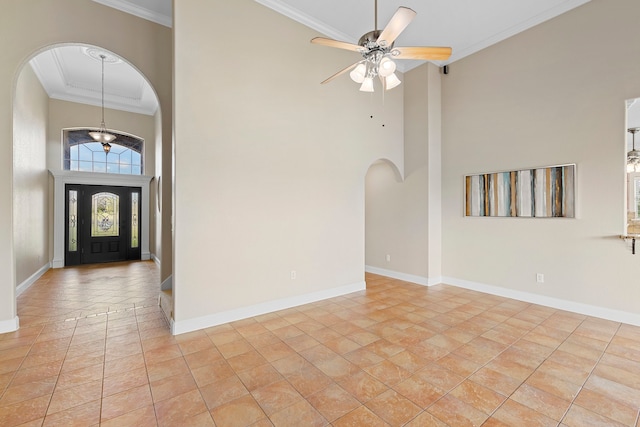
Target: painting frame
539 192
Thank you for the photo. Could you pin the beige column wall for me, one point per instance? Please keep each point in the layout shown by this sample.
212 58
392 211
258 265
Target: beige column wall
269 164
403 216
31 184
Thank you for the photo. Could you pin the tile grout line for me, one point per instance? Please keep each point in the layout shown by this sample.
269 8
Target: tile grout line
104 364
270 364
46 413
153 402
15 372
591 372
468 377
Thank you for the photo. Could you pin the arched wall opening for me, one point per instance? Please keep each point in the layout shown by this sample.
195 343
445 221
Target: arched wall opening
396 223
147 45
383 182
39 121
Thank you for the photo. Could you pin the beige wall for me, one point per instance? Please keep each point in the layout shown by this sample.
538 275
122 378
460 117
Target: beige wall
31 186
396 213
269 164
403 217
396 209
154 209
23 34
552 95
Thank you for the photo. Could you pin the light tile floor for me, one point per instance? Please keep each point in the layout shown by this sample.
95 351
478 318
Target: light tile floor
95 349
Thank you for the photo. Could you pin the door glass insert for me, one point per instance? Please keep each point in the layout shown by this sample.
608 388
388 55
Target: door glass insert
105 215
73 221
134 220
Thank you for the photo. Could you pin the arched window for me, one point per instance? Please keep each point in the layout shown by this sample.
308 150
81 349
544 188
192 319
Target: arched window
82 153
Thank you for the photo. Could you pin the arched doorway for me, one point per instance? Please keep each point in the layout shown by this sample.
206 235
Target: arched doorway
384 207
48 99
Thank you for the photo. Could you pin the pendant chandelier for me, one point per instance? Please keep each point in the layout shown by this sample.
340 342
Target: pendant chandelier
102 136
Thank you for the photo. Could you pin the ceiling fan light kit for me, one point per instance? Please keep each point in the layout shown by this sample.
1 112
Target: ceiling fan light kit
376 47
358 74
391 81
387 67
367 85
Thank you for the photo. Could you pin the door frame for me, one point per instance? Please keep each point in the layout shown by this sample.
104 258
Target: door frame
62 178
84 252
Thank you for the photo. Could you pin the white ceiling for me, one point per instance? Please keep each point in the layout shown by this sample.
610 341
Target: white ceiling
74 73
467 26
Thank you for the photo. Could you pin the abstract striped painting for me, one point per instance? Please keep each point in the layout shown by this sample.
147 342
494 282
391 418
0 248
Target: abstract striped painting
541 193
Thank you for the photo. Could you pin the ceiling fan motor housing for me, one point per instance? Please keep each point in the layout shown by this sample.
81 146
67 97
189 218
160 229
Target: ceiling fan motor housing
369 41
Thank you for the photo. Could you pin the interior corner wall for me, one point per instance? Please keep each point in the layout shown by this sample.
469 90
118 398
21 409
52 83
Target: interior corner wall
31 183
269 164
24 33
165 218
397 212
161 206
554 94
156 192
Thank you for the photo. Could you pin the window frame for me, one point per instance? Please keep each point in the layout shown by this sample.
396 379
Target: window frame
72 137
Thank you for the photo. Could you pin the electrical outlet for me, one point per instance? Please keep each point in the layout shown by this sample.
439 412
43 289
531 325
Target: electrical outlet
293 274
540 278
388 258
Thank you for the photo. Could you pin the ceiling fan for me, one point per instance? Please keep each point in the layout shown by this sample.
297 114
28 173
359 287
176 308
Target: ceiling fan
377 49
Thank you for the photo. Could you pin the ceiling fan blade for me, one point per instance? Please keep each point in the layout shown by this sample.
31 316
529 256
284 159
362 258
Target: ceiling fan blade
433 53
341 72
335 43
400 20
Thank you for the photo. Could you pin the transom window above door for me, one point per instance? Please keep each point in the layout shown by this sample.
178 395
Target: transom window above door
81 153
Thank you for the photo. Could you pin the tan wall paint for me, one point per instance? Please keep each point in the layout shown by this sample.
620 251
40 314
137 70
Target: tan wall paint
23 33
396 214
403 217
156 208
31 185
554 94
269 164
396 209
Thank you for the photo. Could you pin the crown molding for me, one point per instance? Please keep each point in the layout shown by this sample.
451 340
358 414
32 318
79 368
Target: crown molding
518 28
307 20
138 11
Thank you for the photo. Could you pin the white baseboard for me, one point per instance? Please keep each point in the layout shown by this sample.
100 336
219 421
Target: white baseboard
183 326
145 256
155 259
10 325
32 279
419 280
167 283
561 304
